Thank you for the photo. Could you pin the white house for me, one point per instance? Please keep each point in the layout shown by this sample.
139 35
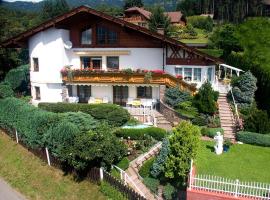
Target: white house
93 50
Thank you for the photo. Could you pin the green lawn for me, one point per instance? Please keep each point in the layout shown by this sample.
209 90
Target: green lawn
213 52
243 162
34 179
202 38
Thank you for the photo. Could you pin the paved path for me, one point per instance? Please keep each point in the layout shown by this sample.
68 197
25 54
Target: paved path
8 193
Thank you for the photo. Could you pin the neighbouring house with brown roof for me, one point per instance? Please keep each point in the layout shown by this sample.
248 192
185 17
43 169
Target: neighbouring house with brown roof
140 16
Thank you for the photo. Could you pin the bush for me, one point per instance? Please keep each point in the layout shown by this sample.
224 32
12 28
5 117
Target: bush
201 120
184 145
151 183
244 88
186 109
18 78
139 134
201 22
123 164
256 120
145 168
205 99
169 192
113 114
173 96
254 138
211 132
83 121
158 165
111 192
6 90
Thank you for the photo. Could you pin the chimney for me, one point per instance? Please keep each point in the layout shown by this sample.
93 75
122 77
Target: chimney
160 31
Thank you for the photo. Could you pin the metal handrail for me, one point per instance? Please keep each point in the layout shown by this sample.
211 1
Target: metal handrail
126 176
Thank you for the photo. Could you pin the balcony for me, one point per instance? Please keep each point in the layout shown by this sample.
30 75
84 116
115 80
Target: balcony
126 76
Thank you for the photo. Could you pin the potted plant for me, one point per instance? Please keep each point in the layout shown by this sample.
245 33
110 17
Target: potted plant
226 145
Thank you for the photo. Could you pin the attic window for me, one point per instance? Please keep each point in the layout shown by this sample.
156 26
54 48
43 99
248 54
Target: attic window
86 37
106 36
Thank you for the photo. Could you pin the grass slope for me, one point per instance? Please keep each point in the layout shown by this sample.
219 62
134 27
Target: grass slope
202 38
243 162
34 179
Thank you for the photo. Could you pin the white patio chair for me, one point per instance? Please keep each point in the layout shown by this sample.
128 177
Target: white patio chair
105 100
91 100
148 104
129 101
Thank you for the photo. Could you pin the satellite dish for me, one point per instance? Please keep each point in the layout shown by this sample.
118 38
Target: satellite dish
68 44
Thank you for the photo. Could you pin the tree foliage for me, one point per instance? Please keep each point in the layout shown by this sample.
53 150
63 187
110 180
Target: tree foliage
6 90
53 8
158 165
244 88
184 144
133 3
224 38
205 99
174 96
159 21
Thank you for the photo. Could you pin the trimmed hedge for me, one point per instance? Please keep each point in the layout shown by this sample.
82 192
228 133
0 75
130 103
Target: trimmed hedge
151 183
113 114
123 164
138 134
146 167
254 138
211 132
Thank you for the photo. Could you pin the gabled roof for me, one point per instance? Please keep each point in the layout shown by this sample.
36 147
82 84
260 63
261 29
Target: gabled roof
175 17
19 39
143 12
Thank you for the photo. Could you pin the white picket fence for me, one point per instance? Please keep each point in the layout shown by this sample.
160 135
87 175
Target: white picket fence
231 187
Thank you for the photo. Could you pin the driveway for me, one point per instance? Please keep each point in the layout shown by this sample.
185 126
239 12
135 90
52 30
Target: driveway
8 193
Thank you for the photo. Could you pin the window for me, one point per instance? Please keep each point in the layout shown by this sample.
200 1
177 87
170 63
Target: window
113 62
106 36
144 92
91 62
86 37
35 64
187 74
37 93
197 75
209 74
178 71
84 93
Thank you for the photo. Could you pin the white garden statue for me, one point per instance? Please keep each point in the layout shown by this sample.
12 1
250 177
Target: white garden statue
219 143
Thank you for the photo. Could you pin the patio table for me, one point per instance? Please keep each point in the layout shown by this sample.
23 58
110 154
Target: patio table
136 103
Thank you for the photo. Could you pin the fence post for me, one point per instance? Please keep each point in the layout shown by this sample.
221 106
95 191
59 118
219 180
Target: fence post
190 174
17 138
101 173
48 156
125 178
236 187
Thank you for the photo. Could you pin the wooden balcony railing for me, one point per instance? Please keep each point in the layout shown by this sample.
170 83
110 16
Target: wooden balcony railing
127 78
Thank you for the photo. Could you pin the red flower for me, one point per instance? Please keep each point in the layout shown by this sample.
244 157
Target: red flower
179 77
158 71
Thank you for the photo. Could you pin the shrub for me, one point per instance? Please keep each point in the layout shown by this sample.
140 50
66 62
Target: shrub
244 88
113 114
123 164
254 138
6 90
173 96
83 121
111 192
256 120
145 168
30 122
18 78
211 132
205 99
184 144
139 134
201 22
200 120
169 192
158 165
151 183
186 109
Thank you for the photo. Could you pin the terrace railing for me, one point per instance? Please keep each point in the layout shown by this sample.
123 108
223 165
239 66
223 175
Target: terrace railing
230 187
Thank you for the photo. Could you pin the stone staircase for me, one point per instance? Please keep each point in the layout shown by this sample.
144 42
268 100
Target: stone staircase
162 122
133 172
227 119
